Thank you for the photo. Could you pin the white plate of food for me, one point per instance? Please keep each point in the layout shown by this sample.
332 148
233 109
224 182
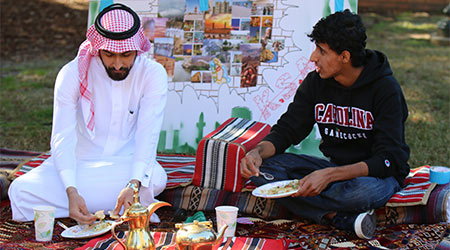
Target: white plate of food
87 231
276 189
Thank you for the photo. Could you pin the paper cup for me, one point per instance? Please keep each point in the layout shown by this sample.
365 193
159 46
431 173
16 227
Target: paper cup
227 215
44 218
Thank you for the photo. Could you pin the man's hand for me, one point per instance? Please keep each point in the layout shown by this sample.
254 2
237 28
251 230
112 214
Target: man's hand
125 198
77 207
314 183
250 164
253 159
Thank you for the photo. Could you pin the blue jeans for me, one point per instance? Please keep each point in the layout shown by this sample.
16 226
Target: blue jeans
348 197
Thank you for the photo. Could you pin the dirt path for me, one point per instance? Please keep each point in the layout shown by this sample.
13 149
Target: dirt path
33 30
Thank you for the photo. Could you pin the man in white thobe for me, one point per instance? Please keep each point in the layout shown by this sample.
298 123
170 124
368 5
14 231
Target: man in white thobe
108 111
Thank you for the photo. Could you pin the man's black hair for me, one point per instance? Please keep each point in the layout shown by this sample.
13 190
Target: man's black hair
342 31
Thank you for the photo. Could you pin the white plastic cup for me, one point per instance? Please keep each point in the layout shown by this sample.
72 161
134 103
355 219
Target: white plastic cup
227 215
44 219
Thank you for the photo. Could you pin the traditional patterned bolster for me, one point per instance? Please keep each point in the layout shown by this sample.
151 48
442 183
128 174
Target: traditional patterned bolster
220 152
193 198
436 210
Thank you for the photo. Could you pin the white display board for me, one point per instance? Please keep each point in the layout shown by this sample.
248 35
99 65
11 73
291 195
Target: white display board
227 58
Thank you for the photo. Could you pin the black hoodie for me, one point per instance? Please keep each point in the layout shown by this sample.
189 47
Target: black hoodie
364 122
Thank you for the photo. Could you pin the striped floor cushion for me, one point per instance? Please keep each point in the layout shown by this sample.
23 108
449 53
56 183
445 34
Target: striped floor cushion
417 190
437 209
220 152
26 166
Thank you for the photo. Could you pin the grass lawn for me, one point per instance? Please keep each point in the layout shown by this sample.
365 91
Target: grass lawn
423 70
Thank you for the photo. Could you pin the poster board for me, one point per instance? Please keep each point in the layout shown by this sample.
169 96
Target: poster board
228 58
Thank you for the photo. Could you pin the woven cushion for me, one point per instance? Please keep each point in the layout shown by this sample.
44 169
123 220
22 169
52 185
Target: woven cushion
26 166
417 190
220 152
4 184
194 198
435 211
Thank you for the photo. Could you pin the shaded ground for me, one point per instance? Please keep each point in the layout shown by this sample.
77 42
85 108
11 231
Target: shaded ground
33 30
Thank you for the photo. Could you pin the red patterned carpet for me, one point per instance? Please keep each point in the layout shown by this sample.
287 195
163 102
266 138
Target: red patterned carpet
297 234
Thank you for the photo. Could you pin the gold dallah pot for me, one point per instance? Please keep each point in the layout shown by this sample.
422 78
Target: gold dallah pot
197 235
138 216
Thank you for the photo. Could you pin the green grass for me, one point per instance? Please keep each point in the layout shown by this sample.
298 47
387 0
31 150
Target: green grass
422 68
26 104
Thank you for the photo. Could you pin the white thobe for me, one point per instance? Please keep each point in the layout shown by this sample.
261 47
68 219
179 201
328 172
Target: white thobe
128 120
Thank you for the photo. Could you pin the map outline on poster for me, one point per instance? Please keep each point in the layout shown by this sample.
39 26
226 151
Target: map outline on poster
236 58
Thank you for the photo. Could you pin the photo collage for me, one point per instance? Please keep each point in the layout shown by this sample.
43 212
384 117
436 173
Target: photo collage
229 38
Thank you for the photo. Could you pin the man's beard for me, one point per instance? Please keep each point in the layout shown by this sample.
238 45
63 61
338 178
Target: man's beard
118 76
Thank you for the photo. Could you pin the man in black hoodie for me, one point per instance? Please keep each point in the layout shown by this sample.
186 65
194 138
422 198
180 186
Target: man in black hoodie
360 111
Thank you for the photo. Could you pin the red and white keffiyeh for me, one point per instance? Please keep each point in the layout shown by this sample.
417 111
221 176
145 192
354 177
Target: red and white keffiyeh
116 20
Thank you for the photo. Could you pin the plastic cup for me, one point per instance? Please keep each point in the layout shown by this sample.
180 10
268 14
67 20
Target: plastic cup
227 215
44 219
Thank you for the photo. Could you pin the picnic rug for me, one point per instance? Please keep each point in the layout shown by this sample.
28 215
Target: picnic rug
291 234
260 234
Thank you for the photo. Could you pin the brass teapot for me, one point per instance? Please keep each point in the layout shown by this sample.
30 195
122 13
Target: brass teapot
197 235
138 216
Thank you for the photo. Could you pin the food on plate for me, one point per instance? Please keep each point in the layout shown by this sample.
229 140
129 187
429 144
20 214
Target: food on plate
100 214
282 188
113 215
96 227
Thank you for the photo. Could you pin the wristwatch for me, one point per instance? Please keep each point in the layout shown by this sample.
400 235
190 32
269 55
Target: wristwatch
132 185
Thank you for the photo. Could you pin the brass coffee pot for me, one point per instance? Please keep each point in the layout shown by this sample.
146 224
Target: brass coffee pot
197 235
138 216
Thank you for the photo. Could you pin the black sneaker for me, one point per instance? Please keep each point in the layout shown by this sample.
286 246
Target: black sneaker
365 224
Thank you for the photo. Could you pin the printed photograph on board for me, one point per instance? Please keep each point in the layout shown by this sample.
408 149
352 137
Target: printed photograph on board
218 20
168 63
196 76
178 36
243 35
187 49
262 8
192 9
199 25
200 63
188 25
173 10
198 37
245 24
235 63
235 23
197 50
241 8
212 47
188 37
154 27
182 69
163 46
206 77
251 54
